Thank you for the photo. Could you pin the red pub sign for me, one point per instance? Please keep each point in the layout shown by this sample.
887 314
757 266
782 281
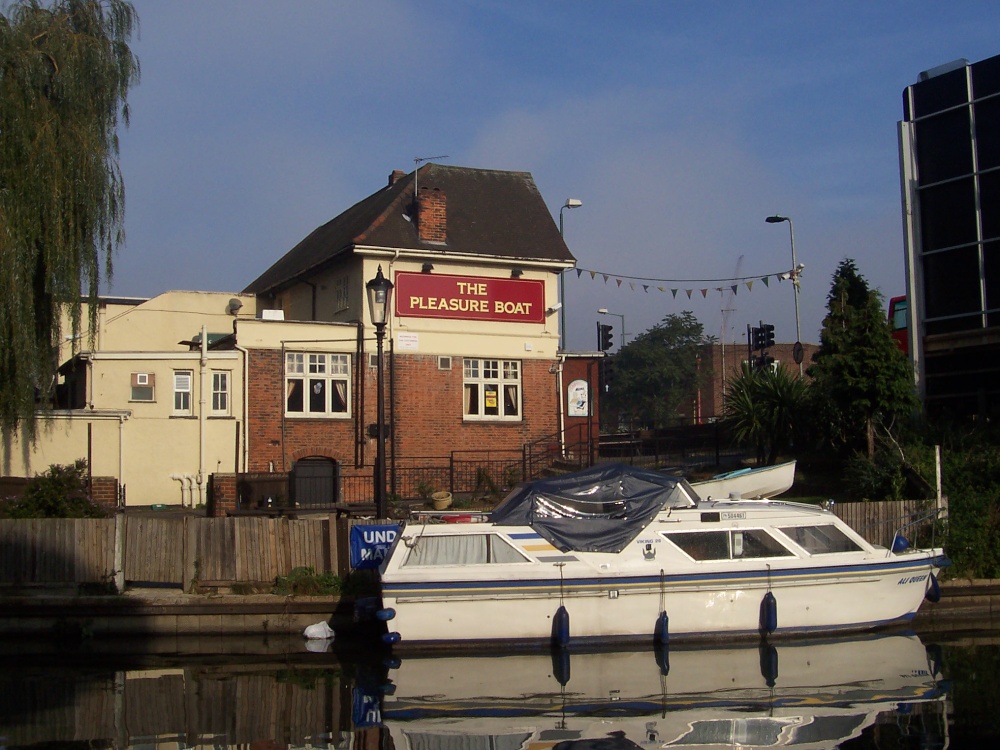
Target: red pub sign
425 295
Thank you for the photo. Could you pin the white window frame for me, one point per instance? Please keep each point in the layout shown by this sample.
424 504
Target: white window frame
183 393
317 384
491 390
221 401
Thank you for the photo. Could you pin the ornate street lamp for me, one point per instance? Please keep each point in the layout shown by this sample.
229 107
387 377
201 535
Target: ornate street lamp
379 294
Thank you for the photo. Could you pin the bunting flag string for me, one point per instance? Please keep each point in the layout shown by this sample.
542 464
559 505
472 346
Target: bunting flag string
726 285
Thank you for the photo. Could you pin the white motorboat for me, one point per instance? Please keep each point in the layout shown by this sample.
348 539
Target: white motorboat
765 481
615 552
799 694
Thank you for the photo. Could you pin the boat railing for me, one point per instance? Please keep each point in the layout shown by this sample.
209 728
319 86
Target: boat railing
900 540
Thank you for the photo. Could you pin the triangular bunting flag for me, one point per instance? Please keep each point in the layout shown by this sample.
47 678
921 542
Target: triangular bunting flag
733 287
764 279
749 285
704 292
688 293
631 285
619 281
674 293
605 277
645 288
593 275
579 272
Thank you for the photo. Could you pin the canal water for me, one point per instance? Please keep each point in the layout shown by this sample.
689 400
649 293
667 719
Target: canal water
892 690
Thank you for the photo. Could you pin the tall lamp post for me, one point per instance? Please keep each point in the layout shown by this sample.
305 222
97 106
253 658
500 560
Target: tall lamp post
570 203
379 294
794 276
604 311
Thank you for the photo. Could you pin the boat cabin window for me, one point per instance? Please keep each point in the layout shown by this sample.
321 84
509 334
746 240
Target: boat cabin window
726 545
463 549
820 540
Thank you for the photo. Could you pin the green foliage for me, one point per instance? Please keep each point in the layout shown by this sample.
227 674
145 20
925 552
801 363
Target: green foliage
971 481
61 492
861 379
878 478
764 410
657 374
307 582
65 71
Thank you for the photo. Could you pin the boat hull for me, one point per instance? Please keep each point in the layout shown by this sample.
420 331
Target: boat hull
717 604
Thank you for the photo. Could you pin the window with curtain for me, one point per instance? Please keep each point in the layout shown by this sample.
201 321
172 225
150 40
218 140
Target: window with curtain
492 389
316 384
462 549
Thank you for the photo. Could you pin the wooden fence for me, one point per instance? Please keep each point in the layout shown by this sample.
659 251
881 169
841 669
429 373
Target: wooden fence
220 552
167 551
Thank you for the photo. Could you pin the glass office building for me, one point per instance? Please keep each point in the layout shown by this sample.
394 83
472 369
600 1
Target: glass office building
949 142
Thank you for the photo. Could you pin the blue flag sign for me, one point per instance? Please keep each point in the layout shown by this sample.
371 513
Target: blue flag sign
370 544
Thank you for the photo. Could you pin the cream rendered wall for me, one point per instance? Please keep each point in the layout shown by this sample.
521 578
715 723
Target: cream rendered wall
469 338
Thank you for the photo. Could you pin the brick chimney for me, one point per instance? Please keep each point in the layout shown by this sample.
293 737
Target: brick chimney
396 176
432 215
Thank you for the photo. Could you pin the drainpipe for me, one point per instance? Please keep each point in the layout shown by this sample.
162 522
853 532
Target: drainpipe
245 408
202 415
559 404
121 457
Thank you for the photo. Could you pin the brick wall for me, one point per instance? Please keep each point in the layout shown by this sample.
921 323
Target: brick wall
104 492
428 414
432 218
222 496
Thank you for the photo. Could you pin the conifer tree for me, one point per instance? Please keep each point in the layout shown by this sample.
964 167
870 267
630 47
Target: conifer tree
65 71
860 377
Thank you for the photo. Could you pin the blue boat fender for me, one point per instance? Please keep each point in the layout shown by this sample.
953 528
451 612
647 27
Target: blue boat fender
933 593
661 633
560 627
560 665
900 544
390 638
385 614
662 655
768 613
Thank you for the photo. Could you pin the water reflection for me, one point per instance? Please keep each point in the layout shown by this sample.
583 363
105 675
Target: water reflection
796 694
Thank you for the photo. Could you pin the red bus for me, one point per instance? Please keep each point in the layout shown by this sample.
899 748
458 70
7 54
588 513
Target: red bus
898 319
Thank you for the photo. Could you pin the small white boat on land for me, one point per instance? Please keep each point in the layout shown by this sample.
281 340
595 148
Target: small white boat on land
807 695
766 481
619 553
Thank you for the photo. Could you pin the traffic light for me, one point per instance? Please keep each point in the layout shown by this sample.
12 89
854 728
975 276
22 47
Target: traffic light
767 334
605 337
757 338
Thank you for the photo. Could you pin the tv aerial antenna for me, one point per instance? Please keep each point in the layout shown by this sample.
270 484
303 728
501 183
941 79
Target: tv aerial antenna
417 161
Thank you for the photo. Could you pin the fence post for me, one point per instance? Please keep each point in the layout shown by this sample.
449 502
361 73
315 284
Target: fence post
119 564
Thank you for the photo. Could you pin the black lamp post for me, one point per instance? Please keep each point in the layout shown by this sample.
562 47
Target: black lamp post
379 293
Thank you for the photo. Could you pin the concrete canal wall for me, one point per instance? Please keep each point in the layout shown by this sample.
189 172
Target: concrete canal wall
158 612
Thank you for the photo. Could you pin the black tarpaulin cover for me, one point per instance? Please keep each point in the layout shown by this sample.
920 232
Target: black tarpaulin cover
600 509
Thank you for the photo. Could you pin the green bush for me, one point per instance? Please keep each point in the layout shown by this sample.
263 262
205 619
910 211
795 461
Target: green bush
61 492
307 582
880 478
971 481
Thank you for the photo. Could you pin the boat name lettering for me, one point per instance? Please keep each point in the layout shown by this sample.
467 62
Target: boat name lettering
912 579
654 540
734 514
386 536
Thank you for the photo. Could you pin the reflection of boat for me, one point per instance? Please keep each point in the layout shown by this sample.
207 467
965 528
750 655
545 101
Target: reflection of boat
807 695
619 552
767 481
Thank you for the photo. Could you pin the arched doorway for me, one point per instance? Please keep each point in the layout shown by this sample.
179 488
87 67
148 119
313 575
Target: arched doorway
316 482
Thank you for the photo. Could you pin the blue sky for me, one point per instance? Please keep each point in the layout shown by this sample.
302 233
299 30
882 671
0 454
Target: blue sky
680 126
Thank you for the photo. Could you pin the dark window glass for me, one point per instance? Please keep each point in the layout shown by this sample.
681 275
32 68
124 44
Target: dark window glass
294 401
986 77
991 275
317 396
989 204
944 146
952 325
948 215
703 545
951 282
940 92
988 133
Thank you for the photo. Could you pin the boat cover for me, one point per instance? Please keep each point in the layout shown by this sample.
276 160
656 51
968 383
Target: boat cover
600 509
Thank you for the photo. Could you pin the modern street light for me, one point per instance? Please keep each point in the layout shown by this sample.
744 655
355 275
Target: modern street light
379 294
570 203
794 276
604 311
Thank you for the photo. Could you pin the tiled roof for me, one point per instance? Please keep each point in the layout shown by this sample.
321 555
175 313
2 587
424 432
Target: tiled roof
490 213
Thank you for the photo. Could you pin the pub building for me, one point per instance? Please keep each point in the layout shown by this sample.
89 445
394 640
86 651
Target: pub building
472 361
